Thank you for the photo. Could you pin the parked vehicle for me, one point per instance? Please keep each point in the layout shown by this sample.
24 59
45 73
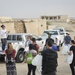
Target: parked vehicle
18 40
55 35
62 30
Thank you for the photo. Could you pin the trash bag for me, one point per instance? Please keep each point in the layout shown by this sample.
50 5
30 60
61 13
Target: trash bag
29 58
37 61
38 70
65 49
69 58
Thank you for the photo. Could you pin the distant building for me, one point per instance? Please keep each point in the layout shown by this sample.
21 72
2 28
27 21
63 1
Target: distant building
55 18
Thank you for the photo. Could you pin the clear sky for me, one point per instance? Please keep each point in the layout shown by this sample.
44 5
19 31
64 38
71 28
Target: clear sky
36 8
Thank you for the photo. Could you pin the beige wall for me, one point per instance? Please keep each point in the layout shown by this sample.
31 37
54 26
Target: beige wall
36 26
33 25
7 21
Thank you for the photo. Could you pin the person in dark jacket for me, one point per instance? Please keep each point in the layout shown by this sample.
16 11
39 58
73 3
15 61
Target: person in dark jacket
72 50
49 38
49 61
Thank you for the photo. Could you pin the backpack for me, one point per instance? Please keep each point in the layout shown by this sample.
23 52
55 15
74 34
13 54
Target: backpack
29 58
36 47
49 62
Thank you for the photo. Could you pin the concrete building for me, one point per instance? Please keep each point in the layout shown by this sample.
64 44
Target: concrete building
55 18
8 22
53 21
34 26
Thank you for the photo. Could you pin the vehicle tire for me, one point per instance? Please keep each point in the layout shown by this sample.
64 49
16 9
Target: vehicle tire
20 57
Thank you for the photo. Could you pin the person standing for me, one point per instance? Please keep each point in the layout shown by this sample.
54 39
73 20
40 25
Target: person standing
67 39
49 61
49 38
35 45
28 41
30 56
3 34
10 60
72 50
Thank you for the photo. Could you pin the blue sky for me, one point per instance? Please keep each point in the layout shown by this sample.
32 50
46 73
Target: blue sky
36 8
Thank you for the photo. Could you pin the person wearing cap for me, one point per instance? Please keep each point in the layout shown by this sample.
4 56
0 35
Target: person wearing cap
3 34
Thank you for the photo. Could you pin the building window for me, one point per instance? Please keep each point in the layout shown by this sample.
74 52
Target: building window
55 18
41 25
46 18
51 18
58 17
42 17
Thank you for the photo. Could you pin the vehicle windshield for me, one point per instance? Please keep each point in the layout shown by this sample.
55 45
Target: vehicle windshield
61 30
51 32
44 34
34 36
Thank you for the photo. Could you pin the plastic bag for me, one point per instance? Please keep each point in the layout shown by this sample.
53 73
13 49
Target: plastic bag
37 61
69 58
29 58
65 49
38 70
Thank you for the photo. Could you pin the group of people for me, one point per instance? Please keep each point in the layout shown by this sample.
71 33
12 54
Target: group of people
49 54
9 52
49 60
69 42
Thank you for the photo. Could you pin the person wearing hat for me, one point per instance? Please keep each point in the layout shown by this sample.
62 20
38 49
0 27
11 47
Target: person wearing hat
3 34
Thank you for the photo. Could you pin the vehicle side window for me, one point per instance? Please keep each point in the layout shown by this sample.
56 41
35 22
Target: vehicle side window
61 33
13 37
19 38
9 37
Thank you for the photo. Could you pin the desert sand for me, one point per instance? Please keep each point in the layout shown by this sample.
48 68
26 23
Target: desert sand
62 69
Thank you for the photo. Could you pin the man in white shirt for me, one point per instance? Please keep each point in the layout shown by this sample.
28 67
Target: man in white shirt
3 34
28 41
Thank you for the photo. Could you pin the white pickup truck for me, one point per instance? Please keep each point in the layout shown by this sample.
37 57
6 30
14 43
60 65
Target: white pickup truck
61 30
18 40
55 35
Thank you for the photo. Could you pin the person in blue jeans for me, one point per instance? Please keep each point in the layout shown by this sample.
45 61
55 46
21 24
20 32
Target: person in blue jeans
67 39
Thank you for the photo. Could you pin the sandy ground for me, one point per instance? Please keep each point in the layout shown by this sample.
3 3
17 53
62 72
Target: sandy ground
63 67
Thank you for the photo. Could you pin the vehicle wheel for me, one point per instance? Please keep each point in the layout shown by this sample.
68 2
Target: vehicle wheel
20 57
